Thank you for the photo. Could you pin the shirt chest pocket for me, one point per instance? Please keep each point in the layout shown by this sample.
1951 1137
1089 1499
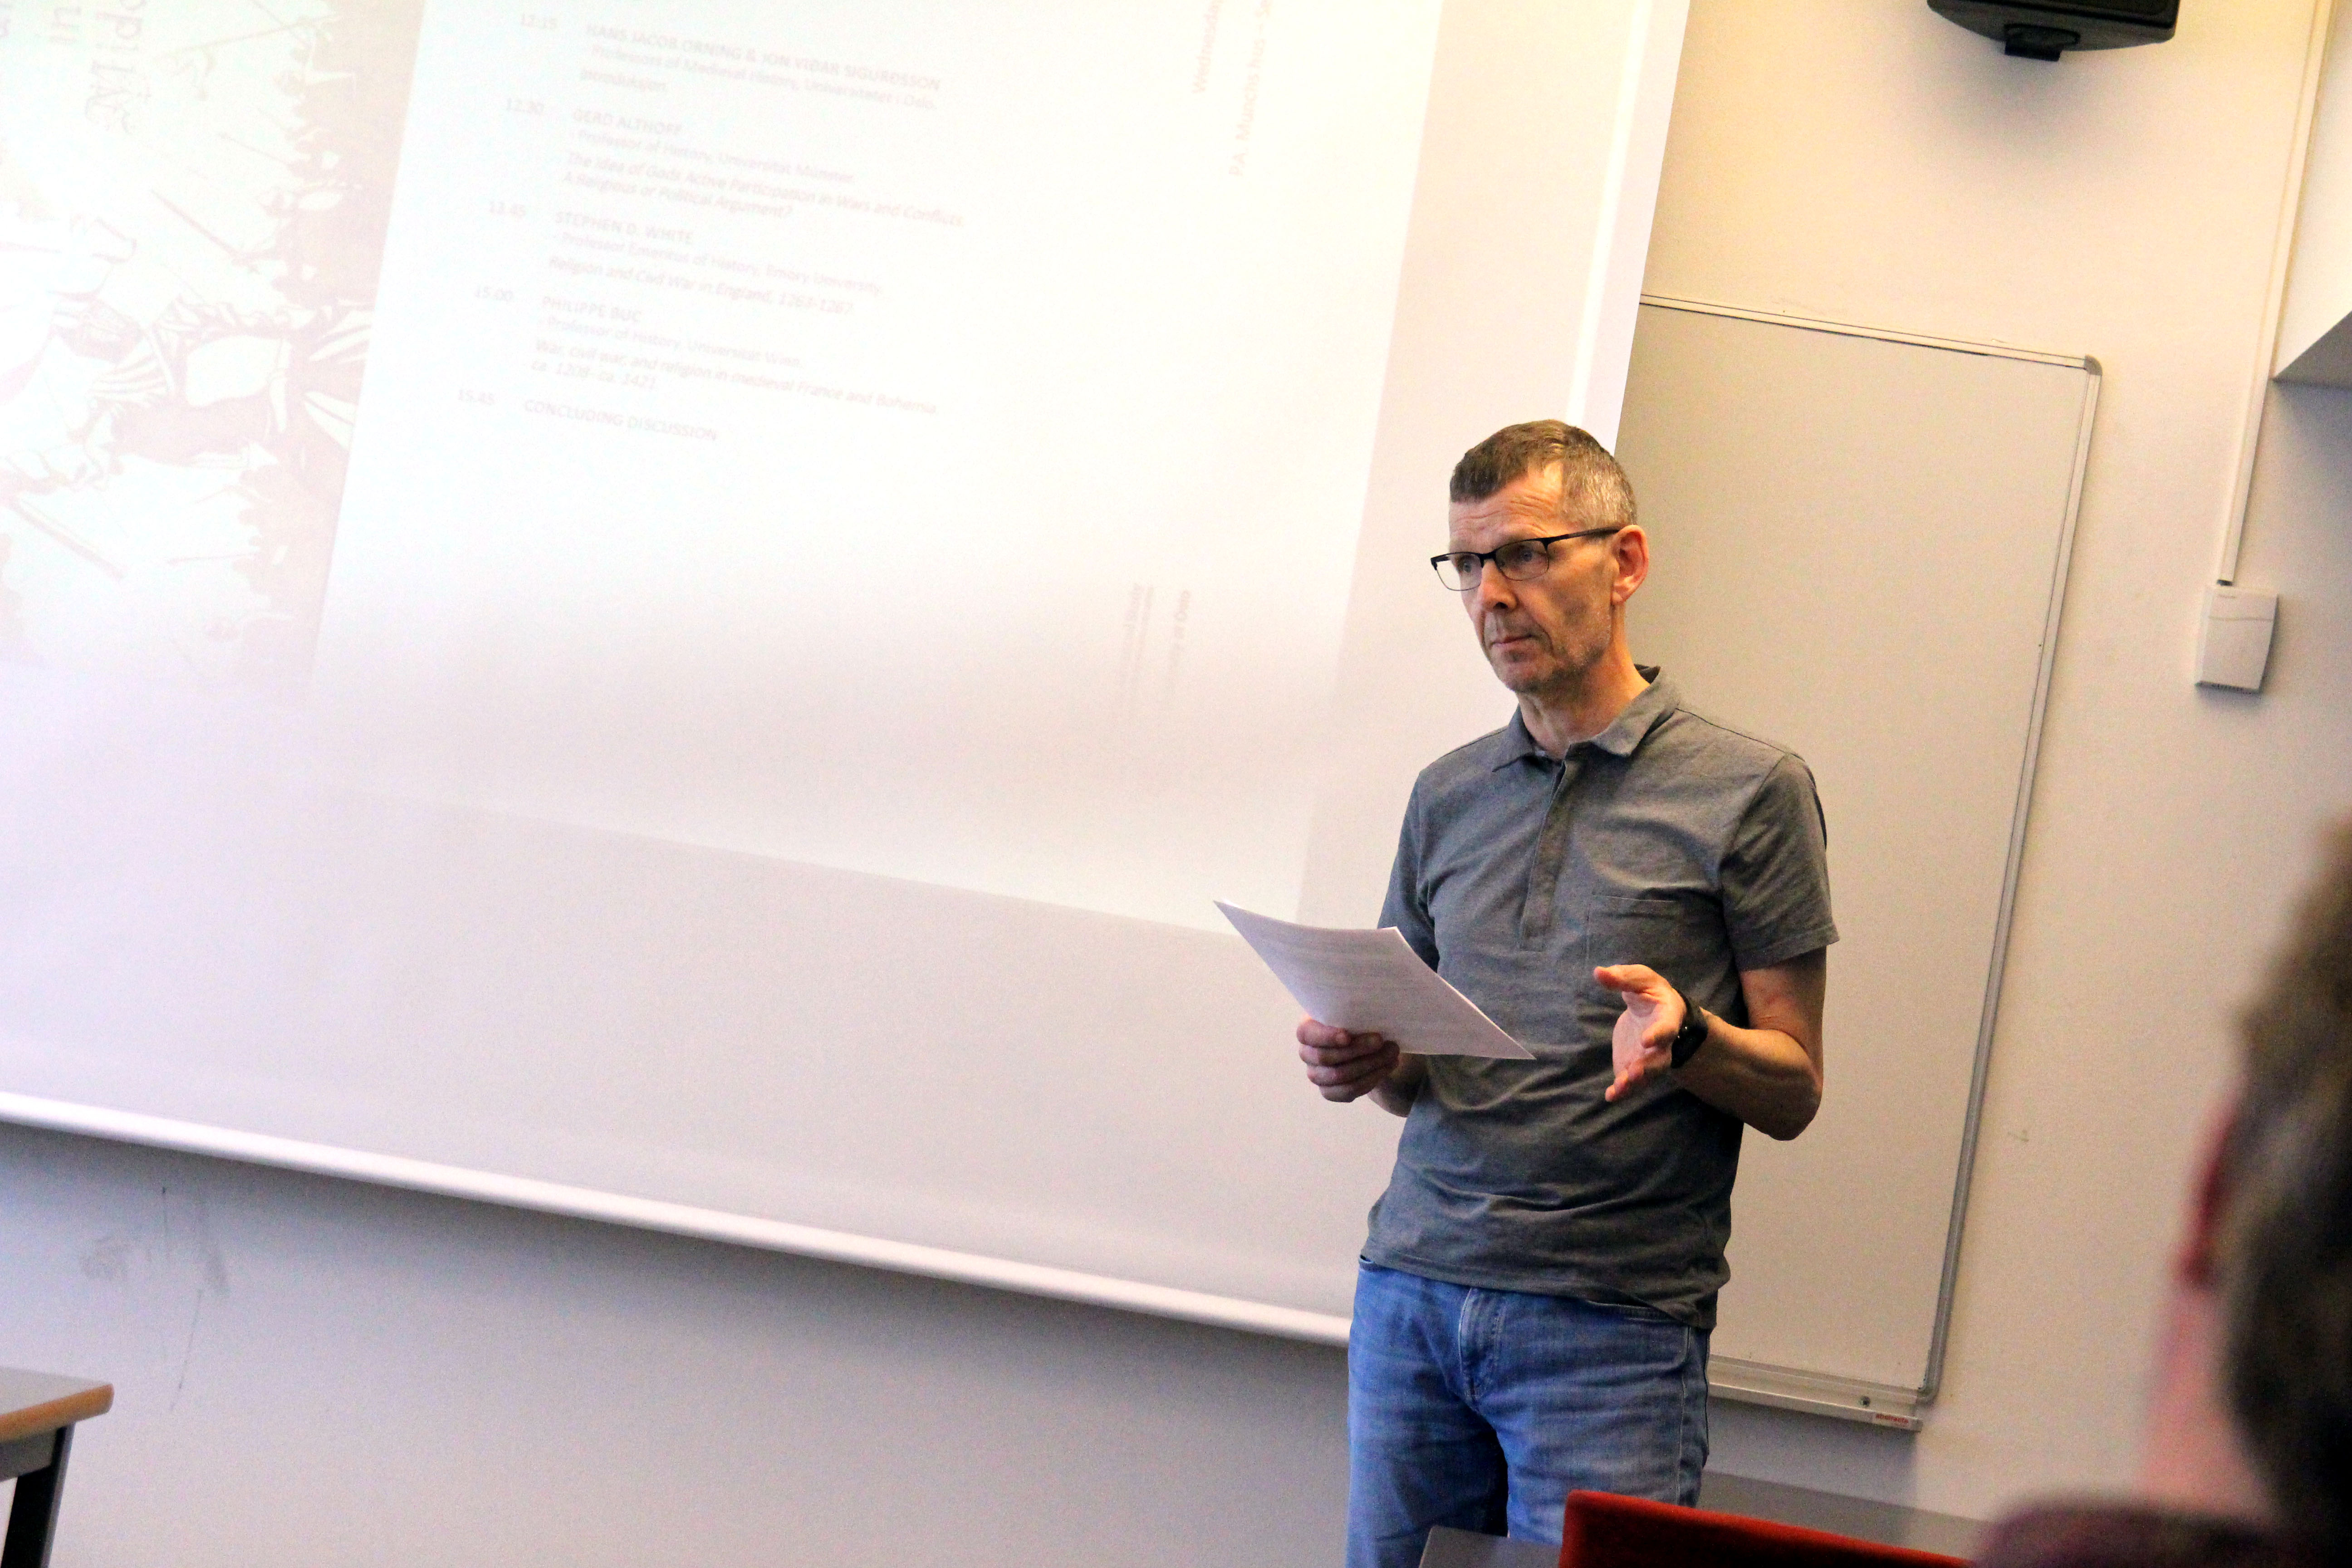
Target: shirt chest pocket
1682 939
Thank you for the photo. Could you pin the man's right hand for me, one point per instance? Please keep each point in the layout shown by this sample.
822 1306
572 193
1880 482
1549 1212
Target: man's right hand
1346 1066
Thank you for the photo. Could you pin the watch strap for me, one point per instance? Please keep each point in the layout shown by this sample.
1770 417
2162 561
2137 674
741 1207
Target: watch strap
1691 1036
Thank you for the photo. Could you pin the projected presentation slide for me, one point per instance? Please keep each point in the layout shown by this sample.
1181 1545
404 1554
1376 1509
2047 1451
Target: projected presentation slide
927 440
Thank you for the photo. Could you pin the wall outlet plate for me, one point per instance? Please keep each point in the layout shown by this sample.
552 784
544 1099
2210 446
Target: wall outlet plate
2233 647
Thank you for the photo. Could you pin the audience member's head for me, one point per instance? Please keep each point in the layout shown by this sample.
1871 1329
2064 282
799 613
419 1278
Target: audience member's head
2276 1243
2249 1454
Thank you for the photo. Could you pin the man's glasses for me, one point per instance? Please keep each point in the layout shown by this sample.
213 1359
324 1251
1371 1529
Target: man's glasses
1520 560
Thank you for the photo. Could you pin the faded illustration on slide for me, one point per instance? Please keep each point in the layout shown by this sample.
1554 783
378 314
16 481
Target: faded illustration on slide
193 201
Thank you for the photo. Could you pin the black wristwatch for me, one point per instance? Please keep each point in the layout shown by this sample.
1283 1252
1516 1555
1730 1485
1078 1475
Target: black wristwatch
1690 1037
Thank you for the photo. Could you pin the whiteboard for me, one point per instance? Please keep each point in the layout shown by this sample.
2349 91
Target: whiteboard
1861 544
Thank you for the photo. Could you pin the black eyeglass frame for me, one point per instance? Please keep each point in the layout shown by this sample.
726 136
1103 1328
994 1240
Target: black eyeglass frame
1443 560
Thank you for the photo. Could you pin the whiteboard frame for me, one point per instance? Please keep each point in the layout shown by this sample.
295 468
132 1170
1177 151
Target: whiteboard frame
1885 1405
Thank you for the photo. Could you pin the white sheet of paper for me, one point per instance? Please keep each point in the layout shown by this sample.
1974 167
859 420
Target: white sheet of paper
1372 981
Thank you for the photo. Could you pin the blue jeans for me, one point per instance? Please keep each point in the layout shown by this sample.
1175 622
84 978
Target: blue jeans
1484 1409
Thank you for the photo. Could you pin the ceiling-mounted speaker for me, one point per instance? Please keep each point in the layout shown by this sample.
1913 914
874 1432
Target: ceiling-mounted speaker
2045 31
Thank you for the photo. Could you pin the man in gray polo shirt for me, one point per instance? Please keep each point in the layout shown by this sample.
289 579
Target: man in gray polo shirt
1640 895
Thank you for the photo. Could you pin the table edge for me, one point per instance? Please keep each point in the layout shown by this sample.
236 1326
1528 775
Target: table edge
32 1420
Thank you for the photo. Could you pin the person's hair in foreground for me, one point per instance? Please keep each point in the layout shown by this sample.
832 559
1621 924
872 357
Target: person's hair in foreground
2283 1262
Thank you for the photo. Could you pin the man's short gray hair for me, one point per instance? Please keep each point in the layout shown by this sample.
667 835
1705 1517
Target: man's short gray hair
2284 1255
1593 490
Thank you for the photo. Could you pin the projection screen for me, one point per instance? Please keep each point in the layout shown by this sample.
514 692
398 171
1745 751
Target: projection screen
675 609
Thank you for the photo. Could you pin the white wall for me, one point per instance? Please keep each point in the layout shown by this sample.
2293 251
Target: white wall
1871 163
316 1373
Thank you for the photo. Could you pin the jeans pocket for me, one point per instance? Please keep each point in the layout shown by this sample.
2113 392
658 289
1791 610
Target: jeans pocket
1634 1312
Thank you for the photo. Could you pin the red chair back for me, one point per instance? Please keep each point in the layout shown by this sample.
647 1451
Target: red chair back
1603 1530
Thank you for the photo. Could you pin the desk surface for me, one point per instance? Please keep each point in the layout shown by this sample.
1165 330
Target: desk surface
32 1402
1449 1548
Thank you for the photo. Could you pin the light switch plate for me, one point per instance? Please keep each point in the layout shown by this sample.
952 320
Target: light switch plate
2234 647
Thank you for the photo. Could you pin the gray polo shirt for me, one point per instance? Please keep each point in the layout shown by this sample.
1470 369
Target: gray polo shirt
1667 839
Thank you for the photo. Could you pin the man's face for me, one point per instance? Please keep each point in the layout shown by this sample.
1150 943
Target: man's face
1541 637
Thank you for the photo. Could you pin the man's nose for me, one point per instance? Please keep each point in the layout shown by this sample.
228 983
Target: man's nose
1494 588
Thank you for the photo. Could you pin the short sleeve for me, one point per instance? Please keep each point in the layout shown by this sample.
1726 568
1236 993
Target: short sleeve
1405 908
1775 874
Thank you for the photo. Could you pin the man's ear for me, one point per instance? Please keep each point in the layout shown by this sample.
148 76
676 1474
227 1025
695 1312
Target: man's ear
2196 1263
1631 546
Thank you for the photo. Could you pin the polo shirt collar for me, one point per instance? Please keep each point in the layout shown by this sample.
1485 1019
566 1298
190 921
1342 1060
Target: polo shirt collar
1625 732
